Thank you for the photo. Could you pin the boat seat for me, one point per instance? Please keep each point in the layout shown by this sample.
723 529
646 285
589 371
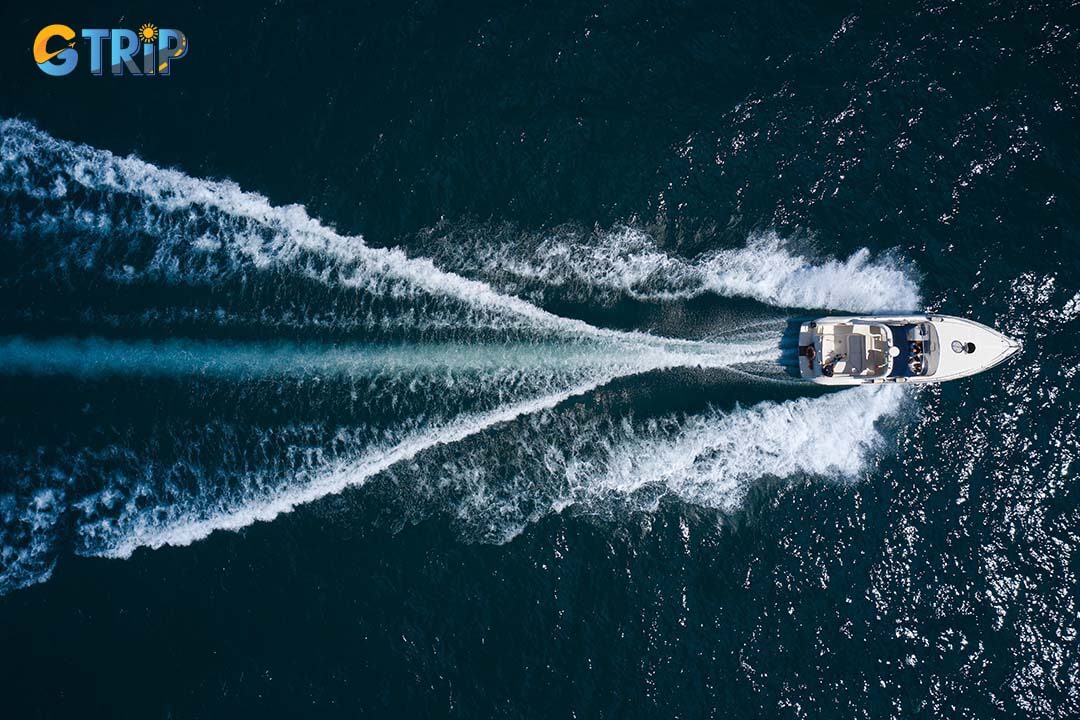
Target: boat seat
856 354
828 346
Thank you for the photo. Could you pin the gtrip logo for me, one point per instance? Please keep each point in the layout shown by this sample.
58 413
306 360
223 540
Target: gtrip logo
149 51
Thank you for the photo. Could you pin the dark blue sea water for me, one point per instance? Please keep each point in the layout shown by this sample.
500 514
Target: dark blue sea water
426 360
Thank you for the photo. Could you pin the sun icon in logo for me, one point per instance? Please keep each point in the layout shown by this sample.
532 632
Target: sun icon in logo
148 33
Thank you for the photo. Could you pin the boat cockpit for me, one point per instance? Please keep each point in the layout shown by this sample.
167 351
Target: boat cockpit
866 349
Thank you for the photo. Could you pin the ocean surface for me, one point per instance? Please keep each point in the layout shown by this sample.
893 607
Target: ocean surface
429 360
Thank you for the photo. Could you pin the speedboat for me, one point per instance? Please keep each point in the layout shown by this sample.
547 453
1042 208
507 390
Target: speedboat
928 348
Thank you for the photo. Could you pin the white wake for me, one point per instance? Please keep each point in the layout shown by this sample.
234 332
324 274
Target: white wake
710 459
626 261
437 371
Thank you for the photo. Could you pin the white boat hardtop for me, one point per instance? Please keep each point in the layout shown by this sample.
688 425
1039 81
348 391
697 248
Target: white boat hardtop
861 350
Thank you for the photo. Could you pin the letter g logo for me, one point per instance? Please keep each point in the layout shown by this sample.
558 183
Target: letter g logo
67 55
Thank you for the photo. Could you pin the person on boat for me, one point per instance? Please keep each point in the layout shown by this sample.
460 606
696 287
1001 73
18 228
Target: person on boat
809 353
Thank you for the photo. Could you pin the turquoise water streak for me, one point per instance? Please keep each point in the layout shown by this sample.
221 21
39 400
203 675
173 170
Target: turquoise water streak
95 356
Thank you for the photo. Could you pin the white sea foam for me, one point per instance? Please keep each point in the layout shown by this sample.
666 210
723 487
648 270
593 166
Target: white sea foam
27 537
147 529
709 459
203 231
626 261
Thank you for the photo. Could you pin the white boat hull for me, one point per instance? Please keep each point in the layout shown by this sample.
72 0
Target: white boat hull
869 349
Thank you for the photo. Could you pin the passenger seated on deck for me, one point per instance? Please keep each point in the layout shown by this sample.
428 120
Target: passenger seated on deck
808 352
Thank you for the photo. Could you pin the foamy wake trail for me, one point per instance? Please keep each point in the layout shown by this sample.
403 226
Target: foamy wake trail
602 466
261 496
626 261
443 358
72 211
408 367
177 481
